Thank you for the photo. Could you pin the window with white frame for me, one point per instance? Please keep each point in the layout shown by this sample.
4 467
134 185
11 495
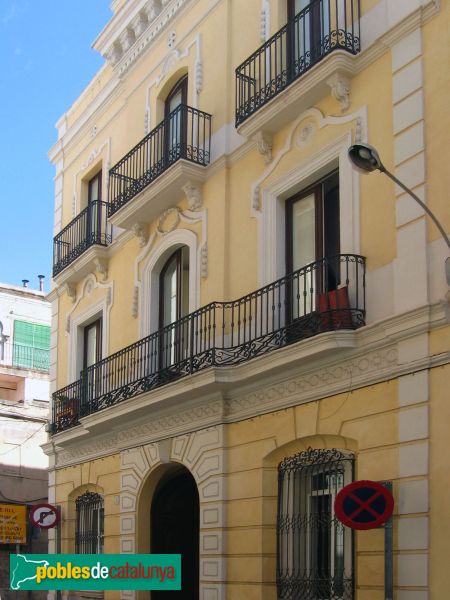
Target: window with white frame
314 550
89 531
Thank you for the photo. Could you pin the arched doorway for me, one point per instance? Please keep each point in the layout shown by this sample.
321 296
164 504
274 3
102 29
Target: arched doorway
175 529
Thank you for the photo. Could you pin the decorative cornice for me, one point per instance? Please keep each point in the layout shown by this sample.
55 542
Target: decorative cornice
135 26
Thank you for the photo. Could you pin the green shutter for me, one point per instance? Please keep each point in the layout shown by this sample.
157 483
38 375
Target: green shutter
31 345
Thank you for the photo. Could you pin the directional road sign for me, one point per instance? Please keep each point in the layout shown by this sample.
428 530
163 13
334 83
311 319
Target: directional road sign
364 505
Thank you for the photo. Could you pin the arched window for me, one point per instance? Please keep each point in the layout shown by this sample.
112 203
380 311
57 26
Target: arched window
175 118
173 306
314 549
89 531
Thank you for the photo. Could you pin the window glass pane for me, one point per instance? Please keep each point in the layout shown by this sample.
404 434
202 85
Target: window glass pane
94 188
170 292
91 346
175 100
303 232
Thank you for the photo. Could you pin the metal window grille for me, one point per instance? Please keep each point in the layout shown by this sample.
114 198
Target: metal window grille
314 550
89 527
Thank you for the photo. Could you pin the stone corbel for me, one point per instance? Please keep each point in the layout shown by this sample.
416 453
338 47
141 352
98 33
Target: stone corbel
140 231
114 53
140 24
127 38
264 145
71 291
153 9
193 193
101 267
340 89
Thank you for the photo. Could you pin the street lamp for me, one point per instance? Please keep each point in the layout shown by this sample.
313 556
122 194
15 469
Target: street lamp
366 159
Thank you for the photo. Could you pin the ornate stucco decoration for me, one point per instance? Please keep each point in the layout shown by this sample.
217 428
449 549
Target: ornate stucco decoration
359 131
127 38
264 145
101 267
306 134
193 193
71 291
140 231
302 129
171 39
340 89
265 20
204 260
140 23
168 221
154 7
135 306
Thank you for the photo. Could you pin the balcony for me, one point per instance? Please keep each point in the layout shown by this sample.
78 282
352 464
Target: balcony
87 230
26 357
320 29
183 138
327 295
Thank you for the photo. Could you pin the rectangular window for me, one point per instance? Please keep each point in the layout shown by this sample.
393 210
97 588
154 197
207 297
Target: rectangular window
31 345
315 551
313 256
312 224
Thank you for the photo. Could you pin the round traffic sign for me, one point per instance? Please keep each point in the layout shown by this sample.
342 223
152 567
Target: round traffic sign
364 505
44 516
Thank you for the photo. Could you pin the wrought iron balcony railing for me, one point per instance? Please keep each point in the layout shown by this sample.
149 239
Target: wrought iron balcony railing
89 228
28 357
184 134
317 30
323 296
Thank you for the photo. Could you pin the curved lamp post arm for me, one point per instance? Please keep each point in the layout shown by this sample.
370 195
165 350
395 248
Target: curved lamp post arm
419 201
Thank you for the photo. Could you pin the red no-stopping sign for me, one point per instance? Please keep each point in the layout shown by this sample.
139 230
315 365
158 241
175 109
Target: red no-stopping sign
364 505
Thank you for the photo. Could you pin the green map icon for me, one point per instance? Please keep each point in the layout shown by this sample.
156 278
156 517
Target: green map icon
24 570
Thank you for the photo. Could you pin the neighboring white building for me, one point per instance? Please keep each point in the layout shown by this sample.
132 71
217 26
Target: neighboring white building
24 399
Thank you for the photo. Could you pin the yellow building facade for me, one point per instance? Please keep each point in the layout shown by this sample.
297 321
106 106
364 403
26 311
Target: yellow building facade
242 323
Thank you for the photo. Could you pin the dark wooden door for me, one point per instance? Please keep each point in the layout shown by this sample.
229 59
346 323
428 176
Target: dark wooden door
175 530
